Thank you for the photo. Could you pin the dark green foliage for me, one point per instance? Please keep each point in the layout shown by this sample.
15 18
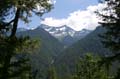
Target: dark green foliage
13 61
88 68
111 38
13 10
48 51
91 43
51 74
11 46
118 74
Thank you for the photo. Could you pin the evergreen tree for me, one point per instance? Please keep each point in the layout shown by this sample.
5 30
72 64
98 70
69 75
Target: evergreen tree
20 9
13 60
111 21
51 73
88 68
11 11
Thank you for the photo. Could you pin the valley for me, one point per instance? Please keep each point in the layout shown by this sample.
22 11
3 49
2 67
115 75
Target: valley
64 46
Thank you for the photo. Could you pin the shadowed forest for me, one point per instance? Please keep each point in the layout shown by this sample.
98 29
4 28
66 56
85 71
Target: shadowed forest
41 53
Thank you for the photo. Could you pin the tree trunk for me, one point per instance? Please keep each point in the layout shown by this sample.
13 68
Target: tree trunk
5 70
15 23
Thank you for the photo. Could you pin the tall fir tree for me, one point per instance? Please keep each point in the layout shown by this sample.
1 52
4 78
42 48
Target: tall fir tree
14 62
11 11
88 68
111 21
14 10
111 38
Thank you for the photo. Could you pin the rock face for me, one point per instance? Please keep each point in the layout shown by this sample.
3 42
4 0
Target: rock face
65 34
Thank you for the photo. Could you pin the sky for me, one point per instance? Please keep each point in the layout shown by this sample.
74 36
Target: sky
77 14
62 8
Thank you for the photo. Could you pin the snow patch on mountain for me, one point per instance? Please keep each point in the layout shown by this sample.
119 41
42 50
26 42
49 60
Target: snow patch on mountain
64 31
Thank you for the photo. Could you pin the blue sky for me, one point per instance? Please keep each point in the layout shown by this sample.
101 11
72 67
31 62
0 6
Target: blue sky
64 10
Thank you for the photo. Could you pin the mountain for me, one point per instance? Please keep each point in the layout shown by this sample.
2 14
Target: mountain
89 44
65 34
21 29
49 48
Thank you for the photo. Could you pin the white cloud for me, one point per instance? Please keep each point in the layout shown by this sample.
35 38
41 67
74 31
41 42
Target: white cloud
54 22
78 20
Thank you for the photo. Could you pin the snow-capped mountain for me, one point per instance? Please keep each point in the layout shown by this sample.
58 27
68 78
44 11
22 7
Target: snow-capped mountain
81 34
59 31
66 34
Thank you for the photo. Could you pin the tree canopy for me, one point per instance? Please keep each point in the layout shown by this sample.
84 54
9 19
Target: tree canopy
111 21
13 64
13 10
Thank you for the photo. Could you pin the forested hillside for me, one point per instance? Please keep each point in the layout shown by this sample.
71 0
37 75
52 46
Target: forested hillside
63 44
89 44
48 50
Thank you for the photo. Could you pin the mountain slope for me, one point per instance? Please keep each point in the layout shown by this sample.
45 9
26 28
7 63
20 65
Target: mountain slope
21 29
50 47
47 41
65 34
89 44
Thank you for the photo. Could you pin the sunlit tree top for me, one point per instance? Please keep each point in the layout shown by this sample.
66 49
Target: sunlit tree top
27 7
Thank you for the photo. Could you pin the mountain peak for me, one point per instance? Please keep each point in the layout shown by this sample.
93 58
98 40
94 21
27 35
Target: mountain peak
63 32
58 31
64 27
